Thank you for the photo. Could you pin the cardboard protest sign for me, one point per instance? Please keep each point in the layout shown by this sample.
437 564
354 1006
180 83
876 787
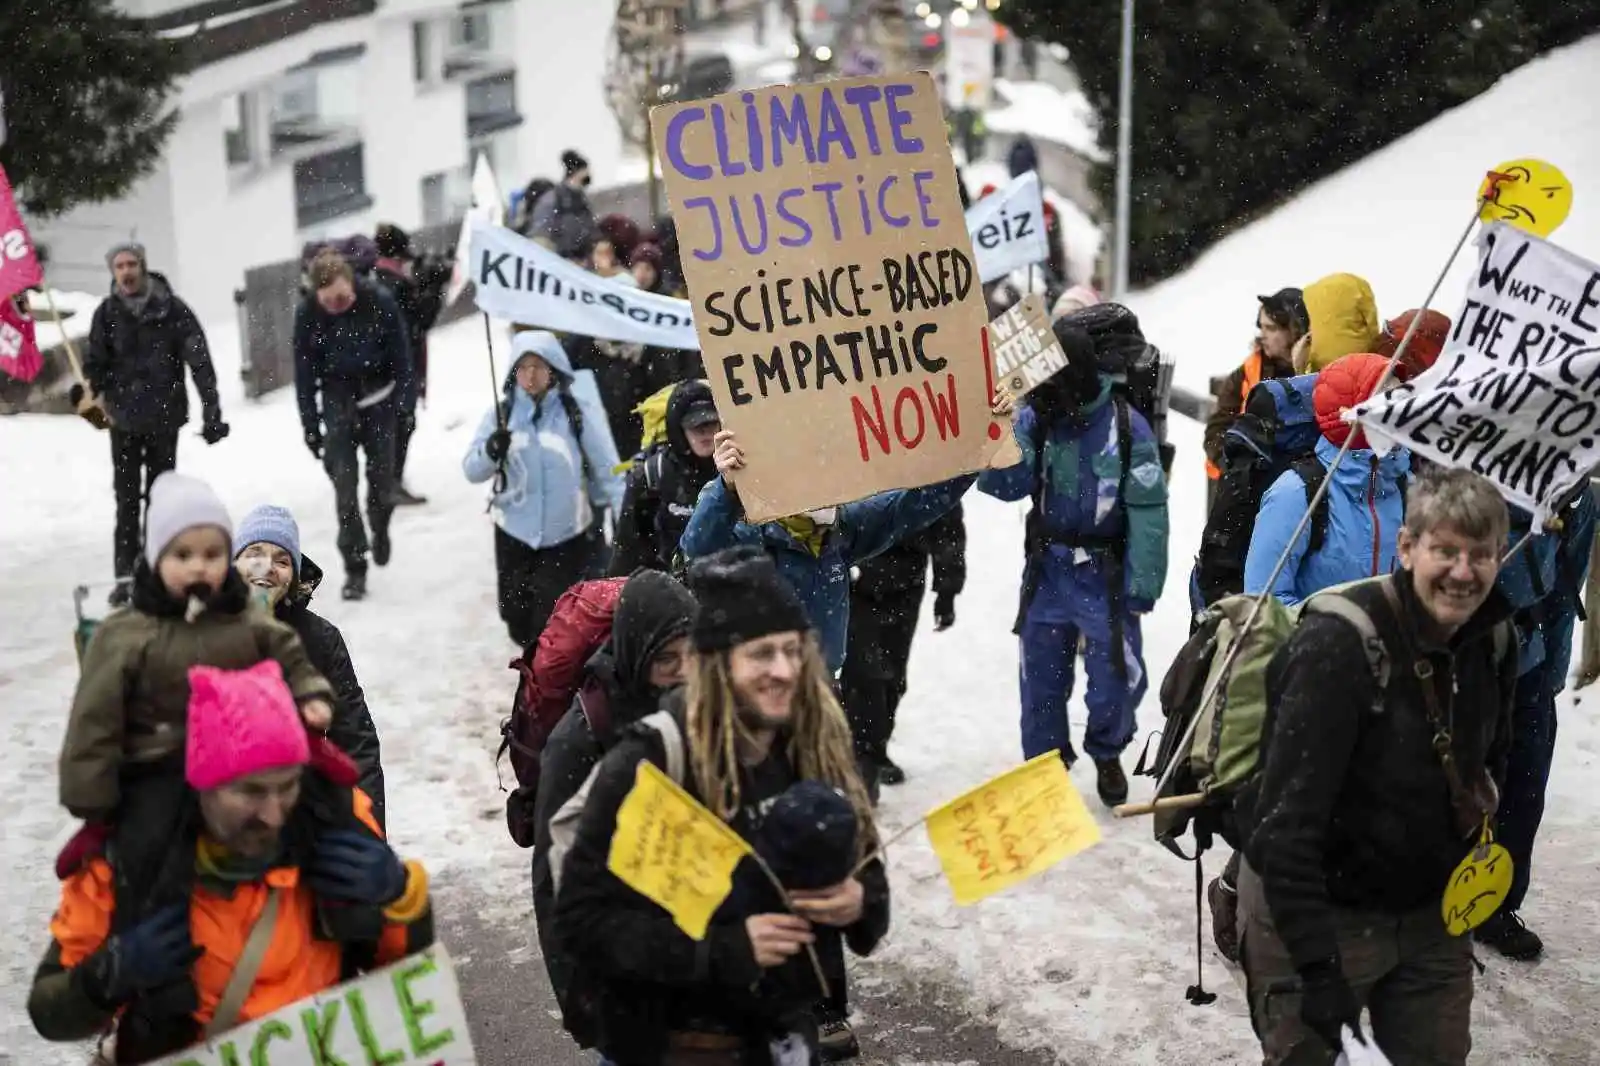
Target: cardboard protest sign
1011 828
833 287
407 1014
523 281
1026 352
1008 228
1515 395
670 849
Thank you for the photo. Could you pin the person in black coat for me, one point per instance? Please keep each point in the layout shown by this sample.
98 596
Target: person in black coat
646 657
351 348
664 483
418 288
762 721
266 550
885 603
141 338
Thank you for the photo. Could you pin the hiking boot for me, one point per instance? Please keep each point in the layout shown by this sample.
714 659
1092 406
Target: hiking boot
381 548
835 1039
1111 781
889 773
1506 933
1224 900
404 497
355 585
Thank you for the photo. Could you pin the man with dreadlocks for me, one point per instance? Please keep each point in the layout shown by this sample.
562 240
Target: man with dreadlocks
760 740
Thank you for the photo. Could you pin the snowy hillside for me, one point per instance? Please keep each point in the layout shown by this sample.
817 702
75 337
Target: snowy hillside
1393 217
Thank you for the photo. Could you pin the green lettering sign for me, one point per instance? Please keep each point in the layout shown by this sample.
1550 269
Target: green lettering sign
413 1012
376 1056
230 1054
269 1031
319 1032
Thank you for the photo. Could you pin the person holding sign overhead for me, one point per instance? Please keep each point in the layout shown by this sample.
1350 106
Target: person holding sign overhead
1096 556
294 887
755 721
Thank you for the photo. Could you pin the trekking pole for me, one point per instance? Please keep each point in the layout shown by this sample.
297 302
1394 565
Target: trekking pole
500 412
1129 810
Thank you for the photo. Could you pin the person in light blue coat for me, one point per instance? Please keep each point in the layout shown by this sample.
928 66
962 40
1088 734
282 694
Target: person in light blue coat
548 448
1354 532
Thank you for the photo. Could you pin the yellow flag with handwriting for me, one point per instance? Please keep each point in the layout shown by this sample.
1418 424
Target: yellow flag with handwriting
670 849
1008 829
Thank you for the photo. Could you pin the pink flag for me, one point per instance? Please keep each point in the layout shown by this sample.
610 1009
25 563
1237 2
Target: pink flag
19 267
19 347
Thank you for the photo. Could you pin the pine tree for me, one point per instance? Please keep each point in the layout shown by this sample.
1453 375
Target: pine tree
85 100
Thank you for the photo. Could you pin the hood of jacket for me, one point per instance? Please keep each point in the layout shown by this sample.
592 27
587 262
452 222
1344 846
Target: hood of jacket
687 395
305 586
1348 383
653 610
1344 318
545 345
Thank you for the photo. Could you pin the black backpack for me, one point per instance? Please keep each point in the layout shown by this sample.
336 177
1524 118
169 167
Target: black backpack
1136 367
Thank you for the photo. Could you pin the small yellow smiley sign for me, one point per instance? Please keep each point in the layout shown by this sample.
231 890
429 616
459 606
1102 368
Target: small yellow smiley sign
1530 194
1478 885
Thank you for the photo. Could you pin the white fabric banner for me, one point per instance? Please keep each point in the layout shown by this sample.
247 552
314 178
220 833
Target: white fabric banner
1515 396
520 280
1007 228
488 205
523 281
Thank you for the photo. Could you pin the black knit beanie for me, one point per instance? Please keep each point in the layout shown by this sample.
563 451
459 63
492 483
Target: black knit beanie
742 598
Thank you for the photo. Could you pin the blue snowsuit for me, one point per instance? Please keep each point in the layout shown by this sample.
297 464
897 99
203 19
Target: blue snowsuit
1074 475
1543 582
1364 511
822 581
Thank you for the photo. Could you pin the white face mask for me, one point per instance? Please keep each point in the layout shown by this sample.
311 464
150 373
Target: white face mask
823 516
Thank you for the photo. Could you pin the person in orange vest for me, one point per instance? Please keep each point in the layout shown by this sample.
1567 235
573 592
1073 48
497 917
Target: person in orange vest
294 889
1280 323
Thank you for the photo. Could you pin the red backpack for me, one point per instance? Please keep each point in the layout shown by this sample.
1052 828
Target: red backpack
549 674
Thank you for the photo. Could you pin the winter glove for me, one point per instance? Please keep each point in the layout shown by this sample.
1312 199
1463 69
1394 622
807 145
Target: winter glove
314 442
498 445
156 952
1327 1004
215 429
356 868
944 612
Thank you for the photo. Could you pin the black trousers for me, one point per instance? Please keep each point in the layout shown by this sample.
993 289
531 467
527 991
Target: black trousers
402 447
873 680
371 430
137 459
530 580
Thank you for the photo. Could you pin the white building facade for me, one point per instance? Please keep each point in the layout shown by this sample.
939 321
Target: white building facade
307 119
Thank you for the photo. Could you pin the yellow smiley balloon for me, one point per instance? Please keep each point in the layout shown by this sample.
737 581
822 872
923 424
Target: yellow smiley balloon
1477 887
1537 197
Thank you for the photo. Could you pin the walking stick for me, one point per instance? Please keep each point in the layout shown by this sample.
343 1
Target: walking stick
89 407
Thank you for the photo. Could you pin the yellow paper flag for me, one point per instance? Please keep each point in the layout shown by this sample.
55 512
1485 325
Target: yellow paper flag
1005 831
670 849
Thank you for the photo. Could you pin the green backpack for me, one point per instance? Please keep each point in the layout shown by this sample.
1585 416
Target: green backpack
1223 754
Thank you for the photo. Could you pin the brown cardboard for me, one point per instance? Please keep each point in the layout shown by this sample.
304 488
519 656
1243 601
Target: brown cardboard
847 425
1024 347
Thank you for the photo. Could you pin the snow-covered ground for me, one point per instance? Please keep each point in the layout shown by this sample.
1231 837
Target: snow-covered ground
1392 218
1090 959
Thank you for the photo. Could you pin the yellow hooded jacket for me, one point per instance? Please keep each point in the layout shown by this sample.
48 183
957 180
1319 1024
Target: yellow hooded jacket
1344 319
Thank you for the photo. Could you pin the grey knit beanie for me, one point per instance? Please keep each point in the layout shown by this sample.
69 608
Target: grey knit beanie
133 248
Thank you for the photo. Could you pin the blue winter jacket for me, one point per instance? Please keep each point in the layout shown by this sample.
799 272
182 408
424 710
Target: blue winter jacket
860 531
545 501
1082 469
1552 566
1365 507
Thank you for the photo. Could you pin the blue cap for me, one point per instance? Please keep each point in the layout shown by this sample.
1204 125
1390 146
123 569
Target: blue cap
269 525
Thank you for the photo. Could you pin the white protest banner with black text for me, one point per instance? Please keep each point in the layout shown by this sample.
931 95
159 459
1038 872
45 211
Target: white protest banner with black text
407 1014
523 281
1007 228
1515 395
833 285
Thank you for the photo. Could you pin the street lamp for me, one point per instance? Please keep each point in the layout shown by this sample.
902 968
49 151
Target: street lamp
1119 286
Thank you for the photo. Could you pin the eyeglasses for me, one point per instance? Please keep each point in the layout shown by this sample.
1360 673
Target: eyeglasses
1479 558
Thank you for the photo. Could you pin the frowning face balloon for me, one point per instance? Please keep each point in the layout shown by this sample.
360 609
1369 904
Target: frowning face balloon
1536 198
1477 887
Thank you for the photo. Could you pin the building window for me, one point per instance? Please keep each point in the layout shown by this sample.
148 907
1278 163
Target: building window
472 32
330 185
492 105
446 196
236 130
422 71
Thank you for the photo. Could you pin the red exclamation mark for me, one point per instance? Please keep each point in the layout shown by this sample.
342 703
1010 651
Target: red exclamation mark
995 429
